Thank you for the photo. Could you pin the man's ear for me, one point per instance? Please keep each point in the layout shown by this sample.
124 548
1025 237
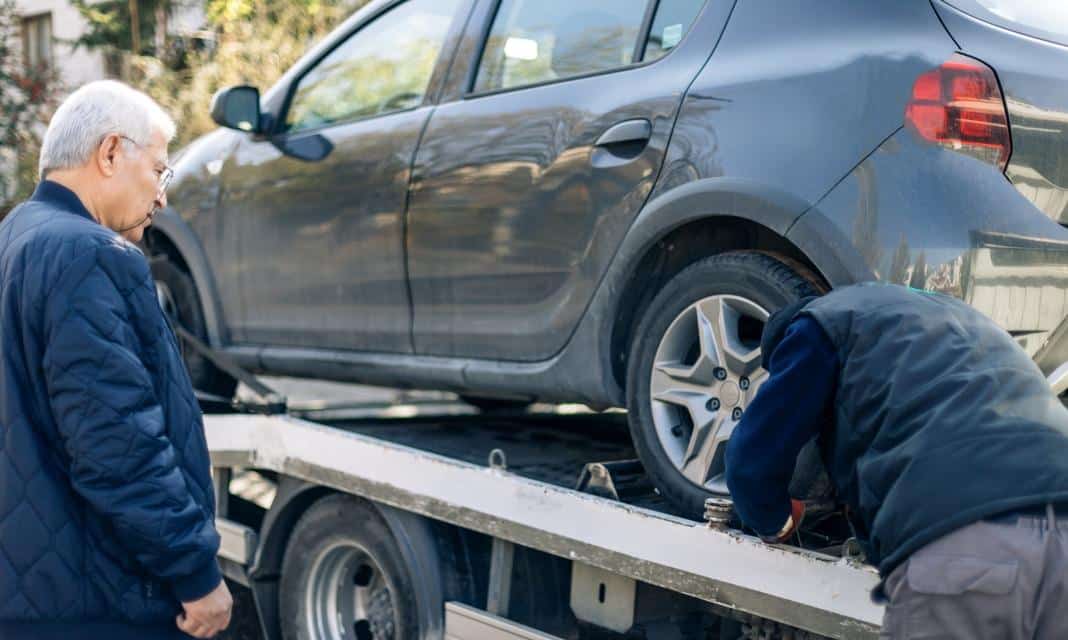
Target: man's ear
107 154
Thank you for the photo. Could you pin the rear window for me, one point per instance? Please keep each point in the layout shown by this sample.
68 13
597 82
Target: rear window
1045 19
672 20
534 41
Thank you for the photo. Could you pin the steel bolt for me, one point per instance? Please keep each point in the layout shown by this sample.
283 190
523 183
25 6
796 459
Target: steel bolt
712 404
718 512
743 384
737 413
720 373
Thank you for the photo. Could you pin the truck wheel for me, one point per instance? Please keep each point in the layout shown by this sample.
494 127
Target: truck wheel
178 298
694 365
344 576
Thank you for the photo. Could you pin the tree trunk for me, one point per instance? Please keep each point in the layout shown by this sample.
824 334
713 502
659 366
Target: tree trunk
135 28
161 29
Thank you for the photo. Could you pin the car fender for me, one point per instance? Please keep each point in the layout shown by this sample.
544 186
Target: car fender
171 225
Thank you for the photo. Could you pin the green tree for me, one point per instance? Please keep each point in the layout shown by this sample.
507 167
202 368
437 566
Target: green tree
110 24
255 42
27 99
899 264
919 272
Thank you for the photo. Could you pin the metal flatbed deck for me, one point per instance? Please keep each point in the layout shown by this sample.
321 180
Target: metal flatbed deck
436 467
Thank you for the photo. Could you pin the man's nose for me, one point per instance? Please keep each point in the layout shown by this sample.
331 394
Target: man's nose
161 200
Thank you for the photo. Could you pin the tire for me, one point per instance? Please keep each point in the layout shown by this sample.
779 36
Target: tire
344 546
740 289
179 300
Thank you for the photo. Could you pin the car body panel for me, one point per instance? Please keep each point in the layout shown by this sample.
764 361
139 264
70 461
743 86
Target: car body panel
323 261
515 213
979 241
322 243
583 370
1033 74
789 99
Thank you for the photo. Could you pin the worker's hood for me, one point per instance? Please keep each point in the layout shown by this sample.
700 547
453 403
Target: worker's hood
775 329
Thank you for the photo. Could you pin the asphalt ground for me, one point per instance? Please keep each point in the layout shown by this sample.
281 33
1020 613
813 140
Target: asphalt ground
243 624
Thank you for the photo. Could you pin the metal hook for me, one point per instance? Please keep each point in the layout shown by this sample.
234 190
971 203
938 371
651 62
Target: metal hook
497 460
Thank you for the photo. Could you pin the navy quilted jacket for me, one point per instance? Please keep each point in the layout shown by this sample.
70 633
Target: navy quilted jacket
106 503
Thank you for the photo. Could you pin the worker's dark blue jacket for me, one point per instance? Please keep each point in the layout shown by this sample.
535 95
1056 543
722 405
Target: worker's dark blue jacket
929 417
106 503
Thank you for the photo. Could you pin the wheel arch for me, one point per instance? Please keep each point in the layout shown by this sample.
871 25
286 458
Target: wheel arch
701 219
171 235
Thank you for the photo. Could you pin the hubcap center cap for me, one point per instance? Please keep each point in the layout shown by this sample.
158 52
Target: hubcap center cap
729 393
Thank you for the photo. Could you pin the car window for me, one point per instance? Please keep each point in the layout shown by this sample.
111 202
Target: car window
672 20
1046 19
534 41
383 67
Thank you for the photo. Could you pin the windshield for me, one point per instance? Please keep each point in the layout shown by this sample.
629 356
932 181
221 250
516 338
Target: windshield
1046 19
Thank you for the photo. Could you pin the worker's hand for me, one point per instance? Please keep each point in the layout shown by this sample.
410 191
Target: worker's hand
209 615
797 514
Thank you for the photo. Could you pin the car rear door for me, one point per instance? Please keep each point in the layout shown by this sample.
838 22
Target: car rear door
557 121
319 204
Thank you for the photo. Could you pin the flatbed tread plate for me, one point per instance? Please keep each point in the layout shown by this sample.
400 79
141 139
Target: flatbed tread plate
573 440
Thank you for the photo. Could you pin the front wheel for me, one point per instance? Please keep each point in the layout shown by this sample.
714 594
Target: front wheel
179 301
694 366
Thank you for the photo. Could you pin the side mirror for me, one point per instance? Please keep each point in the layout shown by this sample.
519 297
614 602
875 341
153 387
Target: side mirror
237 108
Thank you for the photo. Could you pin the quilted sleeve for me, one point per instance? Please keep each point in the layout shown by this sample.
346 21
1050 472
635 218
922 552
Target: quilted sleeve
112 426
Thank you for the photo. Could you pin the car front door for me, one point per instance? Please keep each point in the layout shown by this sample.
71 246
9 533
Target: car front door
527 179
319 204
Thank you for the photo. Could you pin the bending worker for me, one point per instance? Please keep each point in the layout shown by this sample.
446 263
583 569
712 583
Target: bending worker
944 441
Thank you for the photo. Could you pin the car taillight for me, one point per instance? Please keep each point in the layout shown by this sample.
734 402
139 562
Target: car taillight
959 105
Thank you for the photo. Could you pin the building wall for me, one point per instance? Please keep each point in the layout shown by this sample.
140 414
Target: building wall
76 67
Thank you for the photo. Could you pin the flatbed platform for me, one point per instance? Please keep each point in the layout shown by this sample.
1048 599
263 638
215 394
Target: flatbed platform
438 466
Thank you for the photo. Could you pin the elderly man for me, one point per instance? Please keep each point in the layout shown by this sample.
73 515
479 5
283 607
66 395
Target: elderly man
942 437
106 503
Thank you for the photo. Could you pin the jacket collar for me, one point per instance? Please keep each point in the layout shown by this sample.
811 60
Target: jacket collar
60 197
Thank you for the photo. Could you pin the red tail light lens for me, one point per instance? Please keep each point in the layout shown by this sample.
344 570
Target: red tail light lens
959 106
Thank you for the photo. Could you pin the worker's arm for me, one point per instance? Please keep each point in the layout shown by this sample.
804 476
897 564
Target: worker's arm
790 409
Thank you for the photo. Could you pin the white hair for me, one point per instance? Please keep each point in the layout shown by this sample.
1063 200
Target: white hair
91 113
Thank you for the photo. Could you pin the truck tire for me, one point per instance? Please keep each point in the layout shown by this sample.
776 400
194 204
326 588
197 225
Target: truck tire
694 365
179 300
347 574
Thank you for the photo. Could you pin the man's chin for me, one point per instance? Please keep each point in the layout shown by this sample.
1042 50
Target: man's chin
135 234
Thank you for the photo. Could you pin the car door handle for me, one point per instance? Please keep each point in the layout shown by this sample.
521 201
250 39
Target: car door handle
638 130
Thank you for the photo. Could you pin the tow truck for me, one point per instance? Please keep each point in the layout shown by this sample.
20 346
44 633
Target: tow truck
403 519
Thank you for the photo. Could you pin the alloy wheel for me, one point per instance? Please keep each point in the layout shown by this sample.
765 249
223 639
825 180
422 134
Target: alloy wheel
705 372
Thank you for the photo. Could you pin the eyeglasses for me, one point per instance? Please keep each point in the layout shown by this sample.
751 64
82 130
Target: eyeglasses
166 173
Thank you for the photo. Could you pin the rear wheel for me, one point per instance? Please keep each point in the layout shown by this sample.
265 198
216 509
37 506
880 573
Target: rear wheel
179 300
694 366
